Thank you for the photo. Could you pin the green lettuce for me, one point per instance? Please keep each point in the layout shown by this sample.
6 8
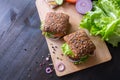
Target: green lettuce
68 52
41 26
104 20
47 34
83 59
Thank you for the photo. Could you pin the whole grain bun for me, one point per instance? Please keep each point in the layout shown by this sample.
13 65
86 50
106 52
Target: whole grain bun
80 44
56 23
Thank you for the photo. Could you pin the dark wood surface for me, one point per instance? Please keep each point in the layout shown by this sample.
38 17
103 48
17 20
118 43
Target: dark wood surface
23 48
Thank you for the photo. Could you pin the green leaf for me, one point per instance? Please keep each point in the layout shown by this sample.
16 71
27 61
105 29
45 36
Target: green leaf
83 59
66 50
47 34
104 20
41 26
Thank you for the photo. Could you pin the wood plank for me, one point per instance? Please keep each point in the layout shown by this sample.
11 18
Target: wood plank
19 35
102 53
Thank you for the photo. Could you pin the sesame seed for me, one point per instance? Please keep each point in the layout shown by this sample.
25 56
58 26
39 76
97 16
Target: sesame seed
53 52
56 47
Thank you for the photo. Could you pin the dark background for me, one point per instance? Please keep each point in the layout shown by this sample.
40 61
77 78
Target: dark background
23 48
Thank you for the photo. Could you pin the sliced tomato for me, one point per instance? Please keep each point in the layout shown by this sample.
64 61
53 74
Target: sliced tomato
71 1
58 35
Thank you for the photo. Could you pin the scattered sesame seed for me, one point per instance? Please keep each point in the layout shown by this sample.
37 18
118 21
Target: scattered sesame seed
36 48
53 52
25 49
50 64
43 63
57 57
61 59
36 62
42 56
56 47
48 54
40 64
62 55
47 58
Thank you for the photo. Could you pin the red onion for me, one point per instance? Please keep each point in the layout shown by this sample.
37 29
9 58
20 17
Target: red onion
60 67
48 70
83 6
73 60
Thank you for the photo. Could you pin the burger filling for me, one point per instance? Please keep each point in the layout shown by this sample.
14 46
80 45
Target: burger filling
50 34
68 52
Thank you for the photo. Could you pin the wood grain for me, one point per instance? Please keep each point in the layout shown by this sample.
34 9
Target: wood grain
102 53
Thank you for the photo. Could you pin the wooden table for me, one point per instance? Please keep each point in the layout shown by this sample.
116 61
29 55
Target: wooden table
23 48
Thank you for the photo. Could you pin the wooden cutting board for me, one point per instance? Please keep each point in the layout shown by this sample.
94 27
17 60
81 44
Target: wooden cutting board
102 53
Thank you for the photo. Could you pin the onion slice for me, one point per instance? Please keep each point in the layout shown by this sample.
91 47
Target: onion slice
48 70
60 67
73 61
83 6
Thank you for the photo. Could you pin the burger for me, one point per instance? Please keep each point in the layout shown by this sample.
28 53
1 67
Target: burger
55 25
78 46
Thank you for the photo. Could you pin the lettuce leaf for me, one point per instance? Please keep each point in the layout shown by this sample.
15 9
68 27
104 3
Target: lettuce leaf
83 59
104 20
66 50
47 34
41 26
